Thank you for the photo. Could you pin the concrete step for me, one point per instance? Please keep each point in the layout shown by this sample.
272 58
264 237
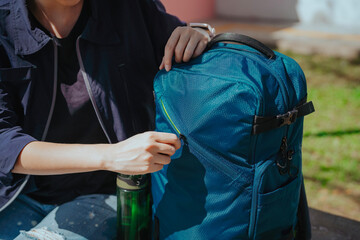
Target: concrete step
299 38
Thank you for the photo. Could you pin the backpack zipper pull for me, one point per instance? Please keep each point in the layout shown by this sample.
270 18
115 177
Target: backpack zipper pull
283 147
292 169
282 163
183 139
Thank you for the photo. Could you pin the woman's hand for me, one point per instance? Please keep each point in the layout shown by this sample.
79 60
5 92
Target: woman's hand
143 153
185 43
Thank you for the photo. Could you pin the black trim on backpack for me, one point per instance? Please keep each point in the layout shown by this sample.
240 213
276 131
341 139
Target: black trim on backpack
243 39
303 228
289 236
263 124
156 232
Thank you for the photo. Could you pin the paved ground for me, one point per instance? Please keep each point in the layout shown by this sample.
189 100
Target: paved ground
326 226
329 41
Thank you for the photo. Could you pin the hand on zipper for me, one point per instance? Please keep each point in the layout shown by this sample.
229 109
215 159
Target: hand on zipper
143 153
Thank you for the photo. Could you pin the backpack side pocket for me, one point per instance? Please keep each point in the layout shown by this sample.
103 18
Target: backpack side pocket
276 203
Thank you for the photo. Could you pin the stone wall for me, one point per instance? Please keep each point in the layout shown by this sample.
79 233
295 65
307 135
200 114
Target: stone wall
330 12
191 10
258 9
323 12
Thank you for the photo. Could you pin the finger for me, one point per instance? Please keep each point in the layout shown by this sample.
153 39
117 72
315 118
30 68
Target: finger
161 159
168 138
170 48
200 48
156 167
190 48
162 65
167 149
181 45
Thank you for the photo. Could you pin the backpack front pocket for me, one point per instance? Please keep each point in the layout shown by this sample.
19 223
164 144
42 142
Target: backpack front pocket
276 203
276 212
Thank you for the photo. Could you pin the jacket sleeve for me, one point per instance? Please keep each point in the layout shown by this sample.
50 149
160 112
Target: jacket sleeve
12 137
160 25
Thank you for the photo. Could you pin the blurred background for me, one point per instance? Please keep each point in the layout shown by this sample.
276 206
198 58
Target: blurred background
323 36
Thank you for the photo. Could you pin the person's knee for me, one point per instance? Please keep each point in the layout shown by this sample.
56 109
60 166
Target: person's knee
43 233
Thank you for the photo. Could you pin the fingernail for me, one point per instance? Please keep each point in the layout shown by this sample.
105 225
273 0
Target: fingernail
167 67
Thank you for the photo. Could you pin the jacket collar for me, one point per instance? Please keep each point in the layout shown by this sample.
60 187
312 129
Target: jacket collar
15 27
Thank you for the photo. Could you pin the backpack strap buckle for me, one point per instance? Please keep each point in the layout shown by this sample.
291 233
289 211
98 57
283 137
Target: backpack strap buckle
265 123
287 118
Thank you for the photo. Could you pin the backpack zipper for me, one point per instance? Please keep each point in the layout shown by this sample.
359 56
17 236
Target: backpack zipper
266 66
255 183
261 171
262 168
187 140
165 112
169 118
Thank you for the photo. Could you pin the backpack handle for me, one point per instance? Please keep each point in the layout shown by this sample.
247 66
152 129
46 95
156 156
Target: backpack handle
243 39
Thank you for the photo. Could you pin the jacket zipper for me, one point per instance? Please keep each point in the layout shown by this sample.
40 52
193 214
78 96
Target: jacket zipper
46 129
88 88
127 97
54 92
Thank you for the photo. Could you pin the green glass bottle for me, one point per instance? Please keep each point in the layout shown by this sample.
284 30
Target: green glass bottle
133 207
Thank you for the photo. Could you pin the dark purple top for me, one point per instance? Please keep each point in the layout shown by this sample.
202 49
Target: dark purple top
120 48
74 121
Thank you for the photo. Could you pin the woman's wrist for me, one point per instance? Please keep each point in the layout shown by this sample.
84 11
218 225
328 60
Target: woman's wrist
103 157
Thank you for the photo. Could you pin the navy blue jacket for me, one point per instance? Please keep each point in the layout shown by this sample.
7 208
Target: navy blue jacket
119 53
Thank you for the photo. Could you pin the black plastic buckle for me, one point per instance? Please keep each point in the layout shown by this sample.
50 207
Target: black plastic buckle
287 118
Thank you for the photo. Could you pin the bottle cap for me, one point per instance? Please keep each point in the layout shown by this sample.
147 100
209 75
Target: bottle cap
132 182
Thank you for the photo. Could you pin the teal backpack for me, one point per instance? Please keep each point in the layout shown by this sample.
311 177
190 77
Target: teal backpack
238 110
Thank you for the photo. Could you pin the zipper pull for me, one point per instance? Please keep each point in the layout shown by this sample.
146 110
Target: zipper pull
282 162
283 147
183 139
292 169
290 154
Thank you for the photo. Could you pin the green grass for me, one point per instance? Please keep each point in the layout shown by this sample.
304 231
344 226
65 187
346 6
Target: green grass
331 135
331 144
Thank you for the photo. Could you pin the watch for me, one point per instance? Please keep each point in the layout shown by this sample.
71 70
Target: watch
204 26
